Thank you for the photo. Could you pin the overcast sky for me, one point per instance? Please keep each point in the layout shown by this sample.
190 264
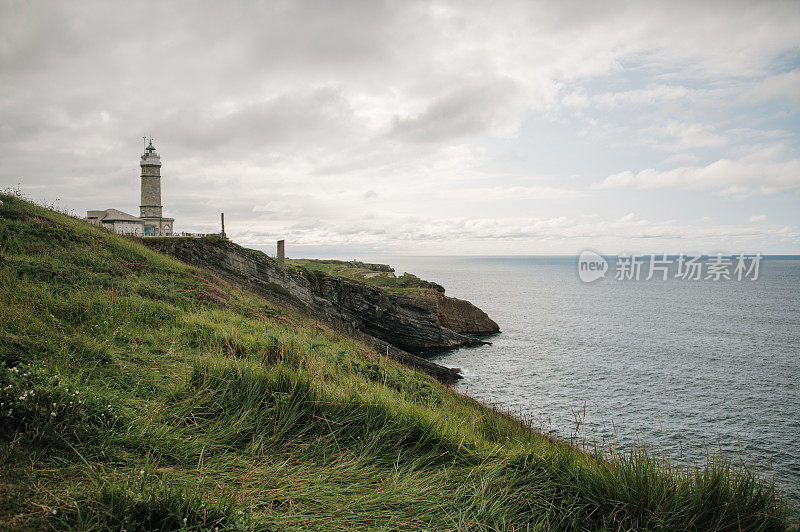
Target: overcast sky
369 128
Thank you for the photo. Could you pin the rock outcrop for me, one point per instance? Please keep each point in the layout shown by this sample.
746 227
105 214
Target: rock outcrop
411 322
418 322
463 317
244 267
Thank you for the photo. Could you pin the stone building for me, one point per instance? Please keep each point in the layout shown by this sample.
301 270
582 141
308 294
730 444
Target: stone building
117 221
150 221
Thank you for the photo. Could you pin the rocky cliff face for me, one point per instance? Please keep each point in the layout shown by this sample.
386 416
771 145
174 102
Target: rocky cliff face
248 268
463 317
415 322
421 321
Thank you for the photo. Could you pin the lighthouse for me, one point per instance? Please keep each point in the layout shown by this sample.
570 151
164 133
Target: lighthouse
150 209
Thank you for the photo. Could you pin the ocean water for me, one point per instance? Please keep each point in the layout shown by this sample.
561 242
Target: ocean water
689 368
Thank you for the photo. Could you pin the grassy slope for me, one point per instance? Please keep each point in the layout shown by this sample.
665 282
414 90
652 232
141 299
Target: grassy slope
140 392
402 285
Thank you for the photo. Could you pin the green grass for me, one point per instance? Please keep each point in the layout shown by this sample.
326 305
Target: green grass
143 394
313 269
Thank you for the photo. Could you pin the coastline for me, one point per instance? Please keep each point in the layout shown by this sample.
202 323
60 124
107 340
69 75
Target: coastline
142 392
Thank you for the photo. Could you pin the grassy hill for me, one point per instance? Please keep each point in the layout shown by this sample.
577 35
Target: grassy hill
355 271
140 393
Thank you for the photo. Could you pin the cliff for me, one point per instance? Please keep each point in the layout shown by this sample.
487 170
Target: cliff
415 316
141 393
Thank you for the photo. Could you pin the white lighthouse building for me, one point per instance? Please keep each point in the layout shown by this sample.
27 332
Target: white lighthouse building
150 221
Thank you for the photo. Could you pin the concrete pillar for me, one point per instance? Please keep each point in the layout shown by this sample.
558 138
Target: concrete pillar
281 254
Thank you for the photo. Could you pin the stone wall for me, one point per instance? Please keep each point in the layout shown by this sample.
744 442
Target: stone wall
126 228
150 206
151 197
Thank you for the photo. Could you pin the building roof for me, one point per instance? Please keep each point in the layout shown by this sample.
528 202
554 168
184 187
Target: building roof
113 215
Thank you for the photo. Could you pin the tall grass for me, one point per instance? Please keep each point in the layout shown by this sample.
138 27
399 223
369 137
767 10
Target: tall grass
155 396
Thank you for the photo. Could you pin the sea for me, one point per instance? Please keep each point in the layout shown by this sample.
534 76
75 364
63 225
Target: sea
688 368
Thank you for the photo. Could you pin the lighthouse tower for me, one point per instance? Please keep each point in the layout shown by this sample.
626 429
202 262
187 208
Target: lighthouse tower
150 210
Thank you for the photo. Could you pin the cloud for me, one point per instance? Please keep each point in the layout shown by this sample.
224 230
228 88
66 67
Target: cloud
763 172
338 120
784 86
681 136
516 192
651 95
299 120
565 234
757 218
464 112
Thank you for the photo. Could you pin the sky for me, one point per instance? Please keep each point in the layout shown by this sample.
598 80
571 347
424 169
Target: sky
357 129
